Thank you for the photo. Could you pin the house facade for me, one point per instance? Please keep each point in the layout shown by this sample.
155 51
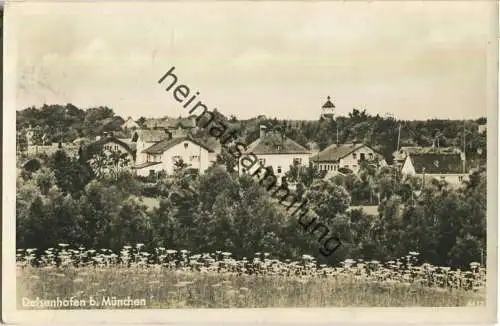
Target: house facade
130 124
346 156
166 154
145 138
109 154
276 151
447 167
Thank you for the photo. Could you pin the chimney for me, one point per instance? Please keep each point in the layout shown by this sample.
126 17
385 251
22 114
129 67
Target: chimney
262 131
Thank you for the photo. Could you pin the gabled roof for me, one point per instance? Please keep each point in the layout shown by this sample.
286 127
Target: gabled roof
404 151
152 136
436 163
145 165
169 123
130 121
97 146
335 152
166 144
130 144
275 143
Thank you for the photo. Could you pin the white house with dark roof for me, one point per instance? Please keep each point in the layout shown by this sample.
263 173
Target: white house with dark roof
163 156
275 150
448 167
145 138
123 153
346 156
400 155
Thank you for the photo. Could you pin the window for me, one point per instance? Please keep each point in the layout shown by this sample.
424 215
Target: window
354 155
116 147
186 145
297 161
262 161
442 177
362 156
354 166
278 147
371 156
335 167
460 178
279 169
195 158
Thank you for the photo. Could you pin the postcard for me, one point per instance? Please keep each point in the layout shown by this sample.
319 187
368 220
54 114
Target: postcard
250 162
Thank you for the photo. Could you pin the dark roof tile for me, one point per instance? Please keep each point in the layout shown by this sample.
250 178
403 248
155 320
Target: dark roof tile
275 143
166 144
435 163
152 136
335 152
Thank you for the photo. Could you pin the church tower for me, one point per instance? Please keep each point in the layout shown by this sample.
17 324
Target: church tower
328 110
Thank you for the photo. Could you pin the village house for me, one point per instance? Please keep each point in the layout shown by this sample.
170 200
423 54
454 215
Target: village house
31 147
166 154
349 157
166 123
130 124
115 150
145 138
447 167
400 155
275 150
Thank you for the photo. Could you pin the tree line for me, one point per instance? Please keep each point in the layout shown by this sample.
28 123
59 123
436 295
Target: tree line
383 133
65 202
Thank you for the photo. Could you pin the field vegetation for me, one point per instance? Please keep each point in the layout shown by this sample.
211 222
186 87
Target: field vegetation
179 279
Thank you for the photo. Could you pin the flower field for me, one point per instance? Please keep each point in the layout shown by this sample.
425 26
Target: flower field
179 279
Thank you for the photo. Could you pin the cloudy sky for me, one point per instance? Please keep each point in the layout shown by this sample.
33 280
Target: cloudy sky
413 60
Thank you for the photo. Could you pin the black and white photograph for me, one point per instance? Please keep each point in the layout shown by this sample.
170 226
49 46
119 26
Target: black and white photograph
271 158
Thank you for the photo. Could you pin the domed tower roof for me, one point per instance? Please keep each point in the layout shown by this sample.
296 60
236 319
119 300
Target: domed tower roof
328 104
328 109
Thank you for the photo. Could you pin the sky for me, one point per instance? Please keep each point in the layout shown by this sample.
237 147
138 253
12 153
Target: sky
413 60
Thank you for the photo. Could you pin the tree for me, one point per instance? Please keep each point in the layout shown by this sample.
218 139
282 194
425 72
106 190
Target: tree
328 199
108 162
71 174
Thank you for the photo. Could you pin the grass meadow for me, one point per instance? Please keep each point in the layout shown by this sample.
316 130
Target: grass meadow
179 279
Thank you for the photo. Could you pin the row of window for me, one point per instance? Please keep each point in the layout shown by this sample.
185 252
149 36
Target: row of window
156 158
296 161
330 167
111 147
362 156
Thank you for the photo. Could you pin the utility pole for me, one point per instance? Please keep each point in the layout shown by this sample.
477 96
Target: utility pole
463 163
399 136
337 126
